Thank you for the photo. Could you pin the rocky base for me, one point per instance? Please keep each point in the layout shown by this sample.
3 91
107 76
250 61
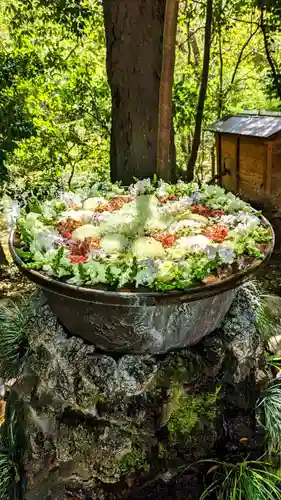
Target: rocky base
103 427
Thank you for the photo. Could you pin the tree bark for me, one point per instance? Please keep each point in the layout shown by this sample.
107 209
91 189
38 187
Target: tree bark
3 260
196 52
202 93
166 91
270 60
134 38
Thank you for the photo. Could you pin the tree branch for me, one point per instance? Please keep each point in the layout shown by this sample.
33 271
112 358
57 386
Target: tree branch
239 60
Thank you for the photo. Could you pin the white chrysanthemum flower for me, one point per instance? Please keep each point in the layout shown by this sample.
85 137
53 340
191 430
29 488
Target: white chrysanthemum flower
226 254
177 226
229 220
211 251
93 203
141 187
113 243
193 243
77 215
246 222
44 241
250 220
146 248
86 231
163 188
187 200
176 207
123 221
156 225
176 253
70 198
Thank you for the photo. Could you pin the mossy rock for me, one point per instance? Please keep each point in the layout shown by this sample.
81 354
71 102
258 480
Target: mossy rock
192 414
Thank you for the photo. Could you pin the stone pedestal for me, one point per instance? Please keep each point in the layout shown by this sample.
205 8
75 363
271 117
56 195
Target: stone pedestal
132 426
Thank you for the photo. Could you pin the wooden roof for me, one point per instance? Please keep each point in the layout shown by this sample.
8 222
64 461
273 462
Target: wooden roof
254 126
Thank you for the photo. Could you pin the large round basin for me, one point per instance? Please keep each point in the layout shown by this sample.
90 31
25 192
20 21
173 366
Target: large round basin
140 321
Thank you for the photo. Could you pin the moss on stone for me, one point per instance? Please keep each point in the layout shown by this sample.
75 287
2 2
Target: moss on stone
192 413
134 460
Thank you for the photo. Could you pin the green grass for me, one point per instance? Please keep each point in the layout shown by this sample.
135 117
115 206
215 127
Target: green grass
12 448
14 319
247 480
5 474
267 307
269 316
271 404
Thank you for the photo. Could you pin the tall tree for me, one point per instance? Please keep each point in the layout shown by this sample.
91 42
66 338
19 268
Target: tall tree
134 39
268 27
202 93
165 137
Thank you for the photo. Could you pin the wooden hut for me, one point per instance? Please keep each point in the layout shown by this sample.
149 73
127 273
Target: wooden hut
249 156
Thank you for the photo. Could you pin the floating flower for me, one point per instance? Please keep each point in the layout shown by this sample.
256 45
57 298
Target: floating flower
165 238
113 243
226 254
141 187
217 233
77 259
86 231
147 247
70 199
199 242
211 251
147 271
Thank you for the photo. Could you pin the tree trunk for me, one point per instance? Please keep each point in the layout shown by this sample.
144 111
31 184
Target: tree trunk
202 93
270 60
196 52
166 89
3 260
134 38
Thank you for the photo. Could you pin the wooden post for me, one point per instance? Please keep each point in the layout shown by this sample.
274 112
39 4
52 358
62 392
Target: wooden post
219 158
237 177
268 168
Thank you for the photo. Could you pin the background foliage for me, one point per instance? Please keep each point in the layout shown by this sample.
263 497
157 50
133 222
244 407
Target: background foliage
55 100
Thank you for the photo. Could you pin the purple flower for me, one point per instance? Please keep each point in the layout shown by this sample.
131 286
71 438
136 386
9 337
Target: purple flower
227 255
196 197
211 251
